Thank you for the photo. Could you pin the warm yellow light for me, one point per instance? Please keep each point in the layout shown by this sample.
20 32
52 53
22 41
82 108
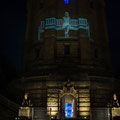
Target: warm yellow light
84 109
115 112
115 97
84 90
84 104
52 109
84 95
84 113
26 96
52 99
116 108
52 113
53 104
84 99
25 112
52 95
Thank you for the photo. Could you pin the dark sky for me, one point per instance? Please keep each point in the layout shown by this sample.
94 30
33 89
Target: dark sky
113 24
13 21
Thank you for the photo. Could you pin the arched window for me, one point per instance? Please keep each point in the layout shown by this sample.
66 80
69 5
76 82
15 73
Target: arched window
66 1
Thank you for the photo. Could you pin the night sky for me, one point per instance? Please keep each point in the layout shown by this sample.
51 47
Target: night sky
13 23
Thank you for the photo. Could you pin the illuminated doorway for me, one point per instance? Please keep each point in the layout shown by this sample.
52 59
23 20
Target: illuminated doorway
68 106
68 109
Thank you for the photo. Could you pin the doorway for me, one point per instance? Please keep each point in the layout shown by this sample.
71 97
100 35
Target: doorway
68 106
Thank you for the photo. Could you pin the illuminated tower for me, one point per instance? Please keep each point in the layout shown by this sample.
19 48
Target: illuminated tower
66 58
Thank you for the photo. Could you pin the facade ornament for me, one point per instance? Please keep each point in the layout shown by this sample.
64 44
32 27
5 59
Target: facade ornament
115 101
66 24
26 109
68 89
26 102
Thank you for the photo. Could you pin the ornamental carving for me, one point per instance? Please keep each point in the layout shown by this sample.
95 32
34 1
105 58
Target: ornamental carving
68 89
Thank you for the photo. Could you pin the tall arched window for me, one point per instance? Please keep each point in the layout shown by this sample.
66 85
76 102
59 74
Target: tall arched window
66 1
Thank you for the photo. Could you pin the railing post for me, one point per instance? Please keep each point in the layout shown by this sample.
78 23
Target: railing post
88 31
39 33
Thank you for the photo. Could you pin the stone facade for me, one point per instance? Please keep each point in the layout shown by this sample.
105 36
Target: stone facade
56 67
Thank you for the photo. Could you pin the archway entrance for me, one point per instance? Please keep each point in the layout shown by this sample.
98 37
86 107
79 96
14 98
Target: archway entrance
68 106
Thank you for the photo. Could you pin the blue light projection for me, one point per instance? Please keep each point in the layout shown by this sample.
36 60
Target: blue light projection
68 109
65 24
66 1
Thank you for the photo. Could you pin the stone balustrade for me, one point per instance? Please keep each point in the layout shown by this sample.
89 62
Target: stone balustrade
53 23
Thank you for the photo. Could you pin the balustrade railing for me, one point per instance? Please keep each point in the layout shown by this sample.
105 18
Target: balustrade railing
53 23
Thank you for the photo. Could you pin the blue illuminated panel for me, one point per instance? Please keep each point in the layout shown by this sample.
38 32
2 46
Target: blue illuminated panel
68 109
66 1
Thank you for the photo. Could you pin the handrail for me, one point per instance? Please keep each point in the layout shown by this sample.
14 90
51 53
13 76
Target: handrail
8 103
